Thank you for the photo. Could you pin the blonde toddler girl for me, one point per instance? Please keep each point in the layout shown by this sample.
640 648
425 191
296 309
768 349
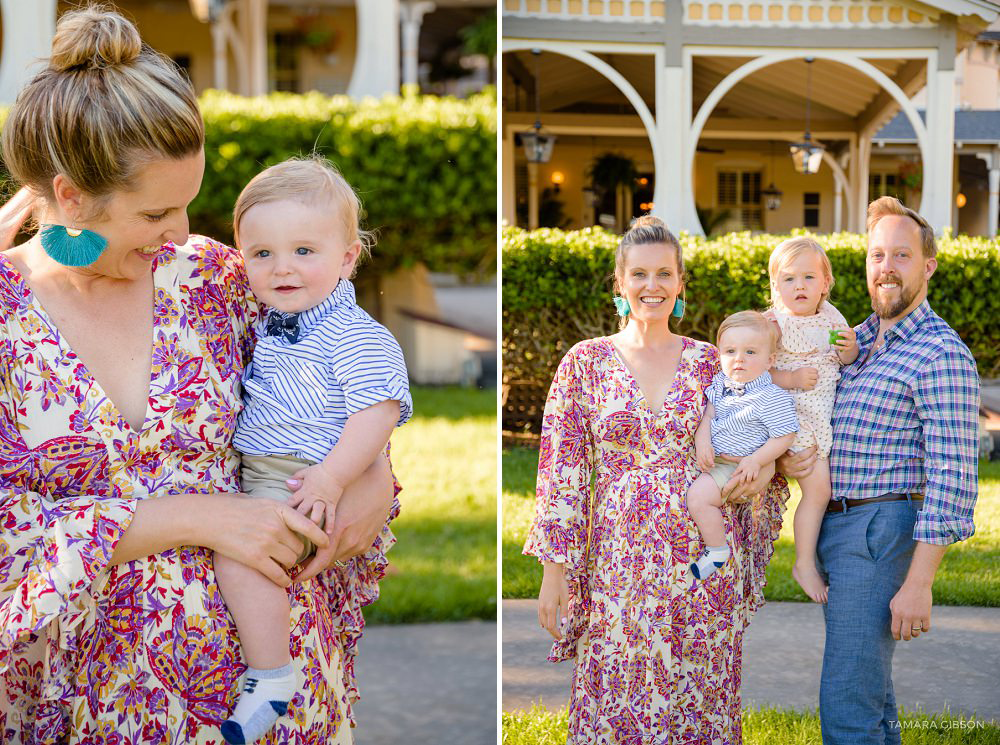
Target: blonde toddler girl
815 341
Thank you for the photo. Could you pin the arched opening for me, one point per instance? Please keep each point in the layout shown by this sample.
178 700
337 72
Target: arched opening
743 102
616 92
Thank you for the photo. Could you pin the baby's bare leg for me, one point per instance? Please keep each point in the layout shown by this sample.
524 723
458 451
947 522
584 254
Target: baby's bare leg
260 609
704 504
816 492
261 612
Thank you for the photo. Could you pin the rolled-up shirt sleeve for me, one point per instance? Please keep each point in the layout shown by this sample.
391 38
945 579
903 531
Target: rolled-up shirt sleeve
946 396
369 367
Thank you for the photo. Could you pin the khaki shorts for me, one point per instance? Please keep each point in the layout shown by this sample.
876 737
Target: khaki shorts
264 476
722 472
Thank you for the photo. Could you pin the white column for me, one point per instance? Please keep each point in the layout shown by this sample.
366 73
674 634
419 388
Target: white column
255 32
994 206
938 180
411 16
532 196
376 65
863 167
220 59
838 194
28 29
685 178
669 190
507 178
852 186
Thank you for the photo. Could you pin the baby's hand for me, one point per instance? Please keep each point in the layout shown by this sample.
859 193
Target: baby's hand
318 495
847 341
806 378
704 456
747 470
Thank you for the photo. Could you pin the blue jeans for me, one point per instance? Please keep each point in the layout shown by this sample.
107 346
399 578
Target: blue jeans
864 555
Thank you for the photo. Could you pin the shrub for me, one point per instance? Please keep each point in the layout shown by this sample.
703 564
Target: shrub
425 167
557 291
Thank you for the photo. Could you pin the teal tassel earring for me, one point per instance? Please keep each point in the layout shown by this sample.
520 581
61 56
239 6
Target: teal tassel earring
72 246
622 306
678 311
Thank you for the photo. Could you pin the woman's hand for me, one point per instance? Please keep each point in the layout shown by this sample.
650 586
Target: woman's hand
361 513
797 465
259 533
553 599
738 492
13 214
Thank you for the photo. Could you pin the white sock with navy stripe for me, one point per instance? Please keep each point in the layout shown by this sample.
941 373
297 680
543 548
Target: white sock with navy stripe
710 561
265 697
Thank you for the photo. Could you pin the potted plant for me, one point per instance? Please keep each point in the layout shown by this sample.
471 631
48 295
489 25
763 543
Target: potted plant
613 176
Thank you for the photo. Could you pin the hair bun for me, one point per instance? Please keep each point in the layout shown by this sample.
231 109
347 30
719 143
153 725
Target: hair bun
94 38
647 221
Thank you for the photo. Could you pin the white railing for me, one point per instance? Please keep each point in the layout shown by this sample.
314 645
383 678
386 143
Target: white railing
586 10
804 13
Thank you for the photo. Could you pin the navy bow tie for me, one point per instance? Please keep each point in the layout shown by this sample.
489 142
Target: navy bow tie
733 388
285 325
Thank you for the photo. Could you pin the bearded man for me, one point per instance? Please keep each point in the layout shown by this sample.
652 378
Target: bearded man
904 476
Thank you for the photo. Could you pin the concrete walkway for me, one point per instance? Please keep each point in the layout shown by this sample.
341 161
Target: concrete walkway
955 666
426 684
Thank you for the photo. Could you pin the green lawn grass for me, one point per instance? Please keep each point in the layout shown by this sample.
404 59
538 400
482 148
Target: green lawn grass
969 573
443 567
767 727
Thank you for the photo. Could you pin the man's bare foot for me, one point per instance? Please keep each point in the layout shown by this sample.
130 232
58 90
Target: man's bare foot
810 581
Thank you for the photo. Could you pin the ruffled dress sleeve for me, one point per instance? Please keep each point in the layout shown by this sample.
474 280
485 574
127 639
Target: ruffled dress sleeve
53 557
563 494
53 552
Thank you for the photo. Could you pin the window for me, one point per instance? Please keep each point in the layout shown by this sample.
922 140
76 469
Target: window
284 61
810 212
885 184
739 192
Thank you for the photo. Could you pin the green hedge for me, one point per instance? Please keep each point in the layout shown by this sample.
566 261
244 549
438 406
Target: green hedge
557 291
425 167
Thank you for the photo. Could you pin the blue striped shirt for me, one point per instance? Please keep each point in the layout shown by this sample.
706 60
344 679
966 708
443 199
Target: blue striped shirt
906 420
742 424
297 397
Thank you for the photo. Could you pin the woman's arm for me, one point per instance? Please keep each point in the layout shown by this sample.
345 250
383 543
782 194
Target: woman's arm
553 599
13 214
255 532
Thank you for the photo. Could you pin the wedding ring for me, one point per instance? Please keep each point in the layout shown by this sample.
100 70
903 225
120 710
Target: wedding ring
917 628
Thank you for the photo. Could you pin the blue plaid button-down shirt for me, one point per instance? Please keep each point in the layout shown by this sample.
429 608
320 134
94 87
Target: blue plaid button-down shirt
907 420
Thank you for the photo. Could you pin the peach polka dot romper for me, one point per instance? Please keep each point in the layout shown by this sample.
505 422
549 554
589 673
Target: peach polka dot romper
805 342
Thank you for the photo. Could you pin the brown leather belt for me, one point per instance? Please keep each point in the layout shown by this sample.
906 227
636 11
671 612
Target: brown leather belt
843 505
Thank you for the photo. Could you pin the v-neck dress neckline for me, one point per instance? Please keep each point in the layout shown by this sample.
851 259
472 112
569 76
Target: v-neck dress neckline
686 345
127 447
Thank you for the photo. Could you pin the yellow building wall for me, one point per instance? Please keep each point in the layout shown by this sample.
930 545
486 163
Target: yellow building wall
791 183
980 85
170 28
573 160
326 71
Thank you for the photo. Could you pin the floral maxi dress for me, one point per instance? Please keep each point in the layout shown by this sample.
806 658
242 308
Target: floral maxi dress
143 652
658 653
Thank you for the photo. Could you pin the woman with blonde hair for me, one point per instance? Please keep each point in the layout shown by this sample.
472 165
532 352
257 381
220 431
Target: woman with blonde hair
123 342
658 654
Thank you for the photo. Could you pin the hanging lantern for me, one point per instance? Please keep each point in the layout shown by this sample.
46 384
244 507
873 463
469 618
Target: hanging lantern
537 146
807 155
